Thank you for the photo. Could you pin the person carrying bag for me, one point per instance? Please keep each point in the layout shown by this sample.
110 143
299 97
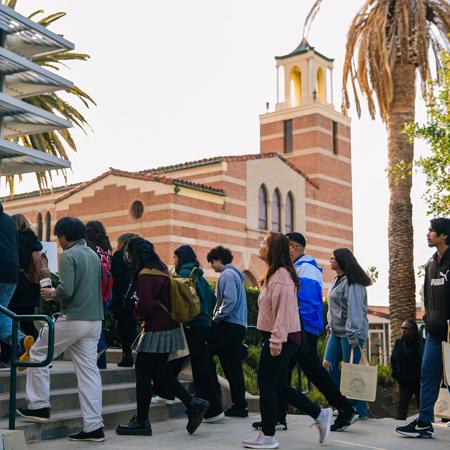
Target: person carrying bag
359 381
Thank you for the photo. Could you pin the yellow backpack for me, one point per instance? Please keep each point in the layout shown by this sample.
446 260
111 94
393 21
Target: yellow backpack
184 300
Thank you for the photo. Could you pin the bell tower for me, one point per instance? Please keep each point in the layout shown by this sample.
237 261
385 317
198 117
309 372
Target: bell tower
308 131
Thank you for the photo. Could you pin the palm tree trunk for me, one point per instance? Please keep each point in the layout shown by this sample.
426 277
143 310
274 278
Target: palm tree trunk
402 299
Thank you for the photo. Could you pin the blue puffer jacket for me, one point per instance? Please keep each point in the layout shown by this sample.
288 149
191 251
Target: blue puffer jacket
310 294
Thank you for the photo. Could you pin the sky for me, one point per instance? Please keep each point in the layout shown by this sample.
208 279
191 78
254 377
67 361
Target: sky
180 80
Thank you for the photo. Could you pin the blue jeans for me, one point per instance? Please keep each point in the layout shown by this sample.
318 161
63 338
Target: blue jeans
6 293
430 378
338 350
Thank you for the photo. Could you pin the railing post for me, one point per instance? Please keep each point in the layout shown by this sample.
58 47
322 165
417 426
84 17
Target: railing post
13 378
15 363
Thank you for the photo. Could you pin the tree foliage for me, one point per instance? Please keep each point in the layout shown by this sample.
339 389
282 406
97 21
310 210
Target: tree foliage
436 132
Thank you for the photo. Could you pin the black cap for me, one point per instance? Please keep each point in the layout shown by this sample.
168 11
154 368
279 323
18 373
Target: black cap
297 237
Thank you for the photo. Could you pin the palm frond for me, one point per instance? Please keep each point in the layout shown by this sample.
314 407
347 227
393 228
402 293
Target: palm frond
310 18
385 33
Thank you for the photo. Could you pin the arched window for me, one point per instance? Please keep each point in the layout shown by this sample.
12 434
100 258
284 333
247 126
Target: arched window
276 211
321 85
48 226
296 87
289 213
262 208
40 226
250 280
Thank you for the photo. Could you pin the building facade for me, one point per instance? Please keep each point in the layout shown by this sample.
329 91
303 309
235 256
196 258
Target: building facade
300 181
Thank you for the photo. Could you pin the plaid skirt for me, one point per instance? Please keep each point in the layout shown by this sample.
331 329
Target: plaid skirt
159 341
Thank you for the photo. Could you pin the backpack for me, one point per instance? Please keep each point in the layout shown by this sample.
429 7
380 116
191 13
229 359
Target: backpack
107 282
38 269
184 300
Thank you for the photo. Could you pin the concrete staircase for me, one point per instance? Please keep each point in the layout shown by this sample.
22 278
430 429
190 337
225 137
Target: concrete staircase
118 402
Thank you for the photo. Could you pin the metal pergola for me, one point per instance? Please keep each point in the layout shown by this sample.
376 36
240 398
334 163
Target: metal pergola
22 40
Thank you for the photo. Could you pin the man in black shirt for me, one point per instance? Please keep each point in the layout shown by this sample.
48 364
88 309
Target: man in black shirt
406 361
437 315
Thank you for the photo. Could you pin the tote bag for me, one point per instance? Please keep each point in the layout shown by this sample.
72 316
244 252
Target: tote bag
446 357
359 381
442 406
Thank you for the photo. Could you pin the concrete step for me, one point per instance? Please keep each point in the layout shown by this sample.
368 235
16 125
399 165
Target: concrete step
63 423
62 399
62 376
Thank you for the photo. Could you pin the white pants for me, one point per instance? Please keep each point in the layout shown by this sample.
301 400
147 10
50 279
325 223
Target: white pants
80 338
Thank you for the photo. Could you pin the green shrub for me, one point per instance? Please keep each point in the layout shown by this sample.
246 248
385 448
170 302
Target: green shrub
385 376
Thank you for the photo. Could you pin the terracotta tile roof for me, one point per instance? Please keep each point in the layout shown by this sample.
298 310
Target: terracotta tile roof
38 193
140 176
219 159
384 311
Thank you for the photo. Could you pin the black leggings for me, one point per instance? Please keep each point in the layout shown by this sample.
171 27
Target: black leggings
273 383
151 367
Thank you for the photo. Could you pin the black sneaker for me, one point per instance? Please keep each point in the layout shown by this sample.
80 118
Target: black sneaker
344 419
93 436
281 425
195 412
38 415
236 412
135 427
416 429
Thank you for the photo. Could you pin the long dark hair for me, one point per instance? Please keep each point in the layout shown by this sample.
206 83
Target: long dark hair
96 234
185 254
142 254
349 265
278 256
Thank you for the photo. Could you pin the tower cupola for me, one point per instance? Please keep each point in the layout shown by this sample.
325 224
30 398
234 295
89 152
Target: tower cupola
305 76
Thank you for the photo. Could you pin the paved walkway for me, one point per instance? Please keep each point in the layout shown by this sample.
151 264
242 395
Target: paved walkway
228 434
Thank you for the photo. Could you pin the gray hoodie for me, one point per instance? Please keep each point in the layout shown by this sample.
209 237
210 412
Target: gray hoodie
347 310
231 303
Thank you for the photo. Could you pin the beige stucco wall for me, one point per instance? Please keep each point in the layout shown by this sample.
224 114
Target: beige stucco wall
274 173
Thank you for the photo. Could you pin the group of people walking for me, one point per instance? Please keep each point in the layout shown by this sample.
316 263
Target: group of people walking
135 284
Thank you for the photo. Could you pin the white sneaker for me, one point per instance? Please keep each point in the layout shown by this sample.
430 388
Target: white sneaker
158 400
448 424
214 419
323 423
261 441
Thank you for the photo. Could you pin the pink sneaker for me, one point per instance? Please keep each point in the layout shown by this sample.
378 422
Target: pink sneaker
261 441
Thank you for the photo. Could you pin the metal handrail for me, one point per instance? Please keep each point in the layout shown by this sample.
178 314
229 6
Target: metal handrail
299 374
16 363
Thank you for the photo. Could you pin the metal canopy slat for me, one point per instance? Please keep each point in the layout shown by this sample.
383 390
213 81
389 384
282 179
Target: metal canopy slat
21 78
28 38
15 159
21 118
25 78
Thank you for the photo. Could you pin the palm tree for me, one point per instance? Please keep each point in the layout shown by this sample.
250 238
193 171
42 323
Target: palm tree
388 43
54 142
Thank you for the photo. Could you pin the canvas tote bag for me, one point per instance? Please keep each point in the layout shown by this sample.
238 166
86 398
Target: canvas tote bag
442 406
446 357
359 381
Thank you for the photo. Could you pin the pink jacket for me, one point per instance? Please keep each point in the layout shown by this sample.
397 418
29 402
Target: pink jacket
278 308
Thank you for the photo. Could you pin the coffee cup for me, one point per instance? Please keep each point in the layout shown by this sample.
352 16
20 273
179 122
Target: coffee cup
45 283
